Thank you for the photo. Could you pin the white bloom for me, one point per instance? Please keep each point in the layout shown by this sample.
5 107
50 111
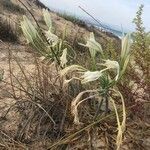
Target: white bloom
52 38
72 68
93 45
90 76
63 58
111 65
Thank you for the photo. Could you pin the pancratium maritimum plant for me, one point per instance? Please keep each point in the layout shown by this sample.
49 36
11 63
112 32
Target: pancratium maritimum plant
107 72
105 77
94 48
49 45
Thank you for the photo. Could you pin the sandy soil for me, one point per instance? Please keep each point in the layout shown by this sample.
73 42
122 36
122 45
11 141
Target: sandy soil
24 56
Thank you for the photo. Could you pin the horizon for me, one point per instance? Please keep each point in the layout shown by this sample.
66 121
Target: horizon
121 16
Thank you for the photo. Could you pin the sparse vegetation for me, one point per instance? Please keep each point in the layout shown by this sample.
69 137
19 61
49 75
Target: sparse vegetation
53 50
137 90
41 5
8 5
61 100
6 32
141 48
73 19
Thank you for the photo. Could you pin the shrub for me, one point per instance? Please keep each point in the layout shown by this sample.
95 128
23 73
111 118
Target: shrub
137 91
46 42
41 5
6 32
107 73
8 5
73 19
141 47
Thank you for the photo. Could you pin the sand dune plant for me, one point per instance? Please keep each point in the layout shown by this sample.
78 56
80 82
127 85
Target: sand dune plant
107 82
141 49
93 46
45 42
47 19
63 58
33 36
107 72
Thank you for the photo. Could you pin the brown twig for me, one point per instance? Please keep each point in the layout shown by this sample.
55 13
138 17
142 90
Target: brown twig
10 71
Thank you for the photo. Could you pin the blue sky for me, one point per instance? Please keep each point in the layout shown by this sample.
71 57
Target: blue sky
112 12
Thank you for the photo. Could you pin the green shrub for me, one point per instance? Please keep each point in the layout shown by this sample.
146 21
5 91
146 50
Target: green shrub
138 89
141 47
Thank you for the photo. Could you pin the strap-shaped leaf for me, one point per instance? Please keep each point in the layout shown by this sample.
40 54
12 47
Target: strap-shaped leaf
63 58
47 18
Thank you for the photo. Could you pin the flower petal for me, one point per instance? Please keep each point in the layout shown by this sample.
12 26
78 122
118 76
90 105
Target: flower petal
71 68
63 58
89 76
52 38
111 65
93 45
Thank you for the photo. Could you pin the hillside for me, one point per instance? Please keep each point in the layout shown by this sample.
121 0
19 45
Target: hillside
73 30
35 100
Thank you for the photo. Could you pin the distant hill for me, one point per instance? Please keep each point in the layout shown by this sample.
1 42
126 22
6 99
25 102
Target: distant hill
104 27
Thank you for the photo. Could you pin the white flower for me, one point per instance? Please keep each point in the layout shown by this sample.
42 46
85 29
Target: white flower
90 76
93 45
52 38
72 68
111 65
63 58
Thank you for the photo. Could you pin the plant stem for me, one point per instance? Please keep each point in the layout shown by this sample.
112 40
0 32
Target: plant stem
107 105
98 109
53 52
93 64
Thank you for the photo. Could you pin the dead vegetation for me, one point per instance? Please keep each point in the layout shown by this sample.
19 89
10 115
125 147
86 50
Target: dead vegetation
11 7
7 33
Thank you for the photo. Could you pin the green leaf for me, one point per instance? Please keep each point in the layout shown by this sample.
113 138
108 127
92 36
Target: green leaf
126 43
32 36
47 18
